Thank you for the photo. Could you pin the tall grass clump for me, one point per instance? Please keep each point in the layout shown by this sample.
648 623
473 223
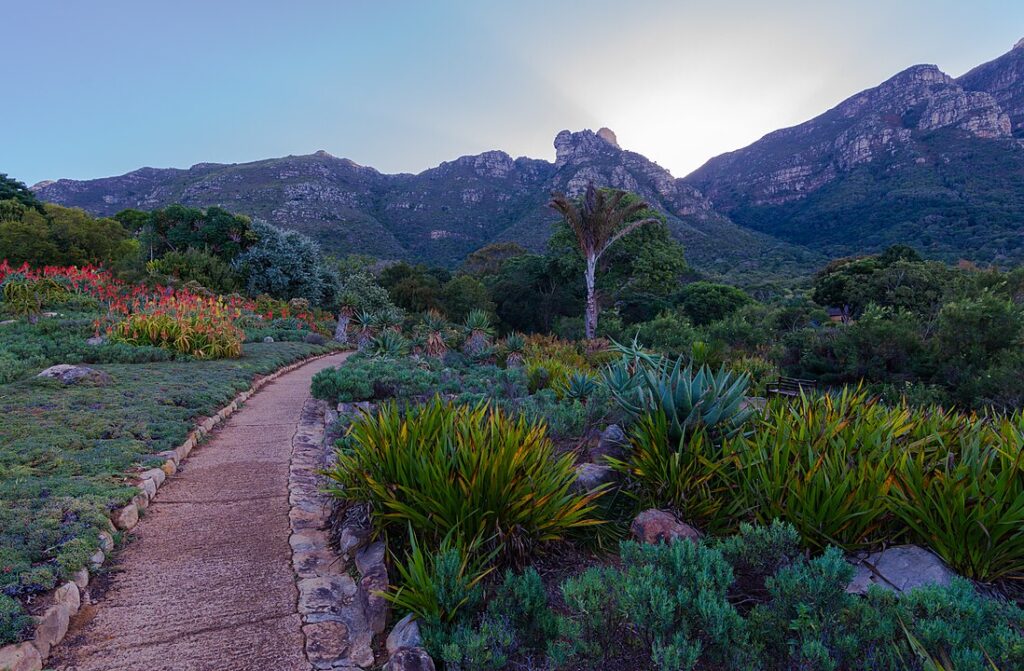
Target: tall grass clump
443 468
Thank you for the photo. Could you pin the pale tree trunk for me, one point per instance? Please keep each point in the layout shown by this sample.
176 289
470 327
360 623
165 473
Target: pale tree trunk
341 330
590 319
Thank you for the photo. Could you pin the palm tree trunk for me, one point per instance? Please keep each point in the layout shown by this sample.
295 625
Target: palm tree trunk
590 318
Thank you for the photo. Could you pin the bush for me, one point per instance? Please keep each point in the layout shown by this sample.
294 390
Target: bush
200 327
472 471
14 622
364 379
824 465
689 474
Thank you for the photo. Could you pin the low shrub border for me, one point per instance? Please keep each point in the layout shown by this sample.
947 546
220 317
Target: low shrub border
65 600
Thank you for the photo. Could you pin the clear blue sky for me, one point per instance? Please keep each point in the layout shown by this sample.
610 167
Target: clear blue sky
104 87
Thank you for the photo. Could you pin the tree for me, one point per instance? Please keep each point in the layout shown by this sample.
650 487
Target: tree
488 259
707 302
462 295
286 265
598 222
12 189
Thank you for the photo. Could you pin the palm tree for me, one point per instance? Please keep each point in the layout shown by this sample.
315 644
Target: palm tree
598 222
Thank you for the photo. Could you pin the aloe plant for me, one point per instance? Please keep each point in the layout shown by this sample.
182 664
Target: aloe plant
435 333
514 347
478 332
579 386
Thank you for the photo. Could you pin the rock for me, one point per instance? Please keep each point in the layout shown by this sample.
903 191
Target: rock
656 526
68 374
20 657
96 341
326 642
370 558
127 517
313 339
899 569
410 659
329 594
406 634
612 443
268 339
81 579
97 559
68 595
148 487
106 541
51 628
591 476
156 475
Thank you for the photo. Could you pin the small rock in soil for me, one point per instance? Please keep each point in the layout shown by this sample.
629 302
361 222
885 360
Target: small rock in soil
612 443
658 526
410 659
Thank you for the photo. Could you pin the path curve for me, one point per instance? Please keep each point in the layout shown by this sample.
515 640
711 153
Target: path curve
207 582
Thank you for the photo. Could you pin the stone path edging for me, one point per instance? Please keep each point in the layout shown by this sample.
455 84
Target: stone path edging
52 625
339 599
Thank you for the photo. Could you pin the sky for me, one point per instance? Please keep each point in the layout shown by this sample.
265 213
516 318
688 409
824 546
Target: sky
103 87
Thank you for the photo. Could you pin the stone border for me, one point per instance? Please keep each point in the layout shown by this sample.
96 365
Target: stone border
341 608
52 625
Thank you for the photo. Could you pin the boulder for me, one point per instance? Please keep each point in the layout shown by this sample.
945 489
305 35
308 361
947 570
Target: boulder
899 569
314 339
658 526
20 657
405 634
268 339
612 443
96 341
68 374
591 476
410 659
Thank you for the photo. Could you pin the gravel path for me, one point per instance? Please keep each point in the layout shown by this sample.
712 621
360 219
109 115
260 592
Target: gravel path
206 584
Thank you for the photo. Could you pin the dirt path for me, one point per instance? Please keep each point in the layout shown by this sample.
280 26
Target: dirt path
207 582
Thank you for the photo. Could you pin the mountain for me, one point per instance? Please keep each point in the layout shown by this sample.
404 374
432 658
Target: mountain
923 159
443 213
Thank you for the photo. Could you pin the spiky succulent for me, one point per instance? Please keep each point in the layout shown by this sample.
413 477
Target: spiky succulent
691 398
435 332
388 345
579 386
478 332
514 348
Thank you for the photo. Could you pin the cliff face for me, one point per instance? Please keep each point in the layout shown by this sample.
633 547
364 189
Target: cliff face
922 159
882 122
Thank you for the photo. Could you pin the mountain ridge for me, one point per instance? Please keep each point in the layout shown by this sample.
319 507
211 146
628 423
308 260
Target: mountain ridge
923 158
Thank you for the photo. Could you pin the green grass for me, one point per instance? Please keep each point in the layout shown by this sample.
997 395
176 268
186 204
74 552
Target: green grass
65 452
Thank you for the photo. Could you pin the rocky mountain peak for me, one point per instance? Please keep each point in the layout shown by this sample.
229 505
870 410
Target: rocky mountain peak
1020 44
583 145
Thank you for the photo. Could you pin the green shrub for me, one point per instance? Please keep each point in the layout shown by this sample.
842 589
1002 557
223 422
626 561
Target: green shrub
967 501
689 474
824 465
442 467
14 622
362 379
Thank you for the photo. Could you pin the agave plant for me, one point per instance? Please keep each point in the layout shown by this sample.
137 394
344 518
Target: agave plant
435 332
691 399
579 386
478 332
388 345
514 348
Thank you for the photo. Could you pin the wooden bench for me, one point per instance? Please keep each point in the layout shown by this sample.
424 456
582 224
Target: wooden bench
791 386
